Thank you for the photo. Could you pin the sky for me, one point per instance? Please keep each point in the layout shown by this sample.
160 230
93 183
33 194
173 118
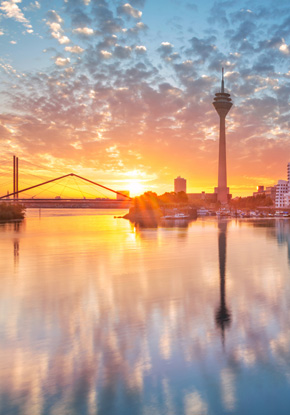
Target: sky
121 93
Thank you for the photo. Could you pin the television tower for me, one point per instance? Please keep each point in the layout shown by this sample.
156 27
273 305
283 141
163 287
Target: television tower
222 103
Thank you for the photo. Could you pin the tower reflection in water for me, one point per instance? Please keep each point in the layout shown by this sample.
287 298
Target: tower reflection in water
223 315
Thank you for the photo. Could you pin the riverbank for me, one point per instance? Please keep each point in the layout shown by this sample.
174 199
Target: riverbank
154 216
9 211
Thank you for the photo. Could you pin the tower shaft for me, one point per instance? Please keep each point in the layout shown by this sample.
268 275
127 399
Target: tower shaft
222 166
222 103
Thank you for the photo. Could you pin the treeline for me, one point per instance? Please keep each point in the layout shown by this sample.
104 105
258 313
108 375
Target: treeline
9 211
150 200
252 202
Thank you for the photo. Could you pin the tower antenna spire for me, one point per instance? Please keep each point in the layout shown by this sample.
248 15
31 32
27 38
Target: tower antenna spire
223 82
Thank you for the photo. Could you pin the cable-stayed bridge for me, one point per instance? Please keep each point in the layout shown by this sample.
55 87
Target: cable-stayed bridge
69 190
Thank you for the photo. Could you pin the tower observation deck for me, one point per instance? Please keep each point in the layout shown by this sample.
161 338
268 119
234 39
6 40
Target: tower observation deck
222 103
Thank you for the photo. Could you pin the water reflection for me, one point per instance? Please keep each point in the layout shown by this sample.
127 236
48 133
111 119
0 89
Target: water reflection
283 234
16 250
223 316
104 318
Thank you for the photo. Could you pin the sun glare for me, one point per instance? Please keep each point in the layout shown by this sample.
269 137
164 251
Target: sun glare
135 188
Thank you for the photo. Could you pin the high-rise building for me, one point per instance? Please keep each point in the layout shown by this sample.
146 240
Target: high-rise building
282 198
281 191
286 199
179 185
222 103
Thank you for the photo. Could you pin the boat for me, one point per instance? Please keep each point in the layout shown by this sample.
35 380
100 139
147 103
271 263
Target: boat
176 216
203 212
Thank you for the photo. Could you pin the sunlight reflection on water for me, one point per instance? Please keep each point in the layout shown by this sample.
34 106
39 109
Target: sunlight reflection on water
100 317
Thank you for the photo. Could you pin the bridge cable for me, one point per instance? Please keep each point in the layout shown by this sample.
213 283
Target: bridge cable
57 193
64 186
98 191
62 177
79 187
46 190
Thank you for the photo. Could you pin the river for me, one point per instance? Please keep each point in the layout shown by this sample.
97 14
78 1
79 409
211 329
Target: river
101 317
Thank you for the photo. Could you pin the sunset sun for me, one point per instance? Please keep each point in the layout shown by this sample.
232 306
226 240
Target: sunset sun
135 188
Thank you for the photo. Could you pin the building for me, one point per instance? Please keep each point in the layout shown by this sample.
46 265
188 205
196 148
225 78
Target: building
260 191
126 194
271 192
222 103
281 190
286 199
207 197
179 185
282 198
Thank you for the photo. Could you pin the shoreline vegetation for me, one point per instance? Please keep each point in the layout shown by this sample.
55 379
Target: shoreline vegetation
150 208
11 211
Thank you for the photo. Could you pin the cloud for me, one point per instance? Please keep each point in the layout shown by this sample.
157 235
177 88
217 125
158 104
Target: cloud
165 49
246 30
284 48
122 52
138 73
136 30
107 42
105 19
11 10
32 6
140 49
8 68
202 48
54 23
185 71
111 26
79 17
128 10
264 65
74 49
35 5
84 31
105 54
53 17
62 61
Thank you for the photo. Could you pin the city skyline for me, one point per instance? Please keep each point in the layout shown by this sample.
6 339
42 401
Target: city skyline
121 92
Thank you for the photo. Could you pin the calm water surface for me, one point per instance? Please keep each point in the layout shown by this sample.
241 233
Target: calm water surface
100 317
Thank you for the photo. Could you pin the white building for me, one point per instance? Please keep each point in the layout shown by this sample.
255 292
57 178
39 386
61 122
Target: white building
281 190
287 200
179 185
